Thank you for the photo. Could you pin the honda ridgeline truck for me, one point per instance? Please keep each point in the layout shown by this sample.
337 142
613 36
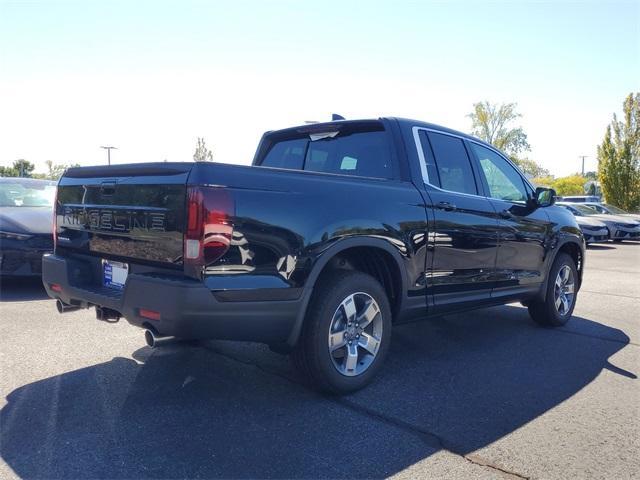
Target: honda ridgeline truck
336 232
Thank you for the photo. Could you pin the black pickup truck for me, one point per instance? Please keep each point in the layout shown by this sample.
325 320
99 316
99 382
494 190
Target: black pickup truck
335 233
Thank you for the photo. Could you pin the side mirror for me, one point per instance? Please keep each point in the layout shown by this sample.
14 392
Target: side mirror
545 197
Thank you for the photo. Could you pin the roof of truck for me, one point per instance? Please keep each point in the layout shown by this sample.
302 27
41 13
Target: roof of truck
325 126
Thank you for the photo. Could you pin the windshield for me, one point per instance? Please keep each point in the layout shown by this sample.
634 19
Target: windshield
584 210
615 210
26 194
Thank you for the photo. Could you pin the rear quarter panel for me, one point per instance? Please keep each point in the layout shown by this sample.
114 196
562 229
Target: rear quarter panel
285 221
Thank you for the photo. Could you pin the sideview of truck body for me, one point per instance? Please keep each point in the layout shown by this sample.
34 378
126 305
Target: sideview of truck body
337 231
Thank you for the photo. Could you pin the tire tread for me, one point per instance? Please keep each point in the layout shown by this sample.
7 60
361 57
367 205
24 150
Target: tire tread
304 355
544 312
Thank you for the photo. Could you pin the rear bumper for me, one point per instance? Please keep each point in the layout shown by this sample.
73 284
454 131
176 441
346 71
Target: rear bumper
187 308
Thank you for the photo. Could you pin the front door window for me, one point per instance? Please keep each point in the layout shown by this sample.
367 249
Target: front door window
504 181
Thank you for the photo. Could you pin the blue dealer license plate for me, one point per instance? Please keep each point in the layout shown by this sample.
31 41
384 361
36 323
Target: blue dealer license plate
114 274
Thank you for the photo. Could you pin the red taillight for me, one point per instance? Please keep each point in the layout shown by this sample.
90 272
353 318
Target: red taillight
55 287
55 220
209 229
150 314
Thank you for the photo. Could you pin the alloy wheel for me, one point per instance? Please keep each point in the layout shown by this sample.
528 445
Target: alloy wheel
355 334
564 291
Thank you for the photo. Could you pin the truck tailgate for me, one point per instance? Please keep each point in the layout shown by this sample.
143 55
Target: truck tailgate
124 212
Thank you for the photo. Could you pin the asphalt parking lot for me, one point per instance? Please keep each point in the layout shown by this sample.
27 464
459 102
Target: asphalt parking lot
487 394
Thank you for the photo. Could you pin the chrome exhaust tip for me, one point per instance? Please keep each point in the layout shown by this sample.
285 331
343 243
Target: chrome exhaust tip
154 340
65 307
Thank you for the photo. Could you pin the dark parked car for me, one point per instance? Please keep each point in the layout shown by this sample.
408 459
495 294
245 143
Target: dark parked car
26 214
337 232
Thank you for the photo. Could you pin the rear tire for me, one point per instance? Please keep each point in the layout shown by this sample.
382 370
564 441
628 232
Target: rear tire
561 295
346 333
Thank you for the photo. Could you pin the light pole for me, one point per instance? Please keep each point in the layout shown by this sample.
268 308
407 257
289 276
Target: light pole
583 157
108 149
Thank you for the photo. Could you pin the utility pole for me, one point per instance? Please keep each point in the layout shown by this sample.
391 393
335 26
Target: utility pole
583 157
108 149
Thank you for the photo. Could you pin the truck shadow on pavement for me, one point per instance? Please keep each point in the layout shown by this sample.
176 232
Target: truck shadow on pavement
22 289
232 410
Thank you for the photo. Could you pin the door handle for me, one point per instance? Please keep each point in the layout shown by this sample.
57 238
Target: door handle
506 214
446 206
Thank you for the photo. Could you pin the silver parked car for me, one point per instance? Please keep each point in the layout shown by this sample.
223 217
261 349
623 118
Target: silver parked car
607 209
620 228
26 218
594 231
580 199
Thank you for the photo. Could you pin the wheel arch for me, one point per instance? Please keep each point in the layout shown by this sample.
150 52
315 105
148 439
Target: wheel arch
572 247
391 272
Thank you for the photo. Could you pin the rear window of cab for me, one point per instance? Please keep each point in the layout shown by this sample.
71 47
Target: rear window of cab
362 153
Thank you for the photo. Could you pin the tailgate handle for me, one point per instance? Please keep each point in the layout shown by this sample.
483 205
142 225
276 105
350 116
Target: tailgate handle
107 188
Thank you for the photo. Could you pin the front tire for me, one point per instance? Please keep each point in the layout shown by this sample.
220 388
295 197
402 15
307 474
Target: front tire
561 295
346 333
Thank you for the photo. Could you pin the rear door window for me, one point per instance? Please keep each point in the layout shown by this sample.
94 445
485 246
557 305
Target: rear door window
452 164
363 154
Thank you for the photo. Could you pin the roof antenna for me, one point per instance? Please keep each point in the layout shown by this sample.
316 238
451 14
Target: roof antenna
335 116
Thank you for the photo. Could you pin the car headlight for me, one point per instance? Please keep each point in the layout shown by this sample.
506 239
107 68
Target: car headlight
14 236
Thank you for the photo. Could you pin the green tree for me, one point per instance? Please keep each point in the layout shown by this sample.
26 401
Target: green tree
494 124
619 157
202 153
543 181
55 170
7 172
20 168
23 167
530 167
571 185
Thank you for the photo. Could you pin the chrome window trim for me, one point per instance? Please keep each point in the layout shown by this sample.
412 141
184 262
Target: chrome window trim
423 164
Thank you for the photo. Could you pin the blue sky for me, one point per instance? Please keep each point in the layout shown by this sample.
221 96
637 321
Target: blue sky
149 77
